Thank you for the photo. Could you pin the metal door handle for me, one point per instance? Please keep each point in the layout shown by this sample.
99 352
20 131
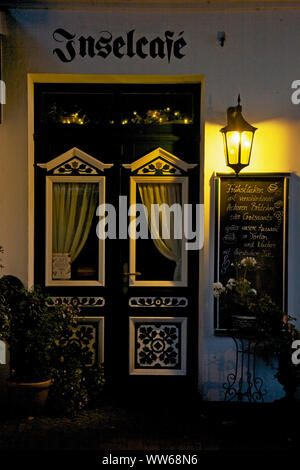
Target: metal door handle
132 274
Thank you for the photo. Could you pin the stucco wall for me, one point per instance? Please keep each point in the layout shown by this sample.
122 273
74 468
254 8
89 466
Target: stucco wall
260 59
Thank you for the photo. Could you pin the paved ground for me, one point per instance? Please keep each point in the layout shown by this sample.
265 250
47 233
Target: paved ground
195 427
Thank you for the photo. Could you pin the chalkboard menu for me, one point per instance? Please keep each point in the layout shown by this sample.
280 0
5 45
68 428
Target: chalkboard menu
251 221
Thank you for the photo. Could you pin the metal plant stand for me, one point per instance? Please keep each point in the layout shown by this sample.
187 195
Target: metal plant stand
243 384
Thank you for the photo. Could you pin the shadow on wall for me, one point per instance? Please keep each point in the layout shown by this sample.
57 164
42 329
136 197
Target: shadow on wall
294 250
4 358
218 362
2 353
220 367
4 370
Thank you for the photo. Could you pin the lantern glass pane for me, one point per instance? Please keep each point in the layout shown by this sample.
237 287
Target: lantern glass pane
233 143
247 137
225 147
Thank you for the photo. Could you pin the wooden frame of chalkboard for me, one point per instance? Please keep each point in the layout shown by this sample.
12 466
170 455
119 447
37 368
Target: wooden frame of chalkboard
2 92
252 220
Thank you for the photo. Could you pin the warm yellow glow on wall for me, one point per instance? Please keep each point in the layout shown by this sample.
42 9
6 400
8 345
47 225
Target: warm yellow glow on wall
214 157
273 144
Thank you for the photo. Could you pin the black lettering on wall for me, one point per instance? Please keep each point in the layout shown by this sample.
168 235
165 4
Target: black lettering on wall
129 44
69 45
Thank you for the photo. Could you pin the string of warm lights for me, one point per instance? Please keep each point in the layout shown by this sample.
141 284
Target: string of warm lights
57 115
156 116
74 118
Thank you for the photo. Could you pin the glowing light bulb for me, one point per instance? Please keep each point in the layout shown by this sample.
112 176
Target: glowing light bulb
246 142
235 138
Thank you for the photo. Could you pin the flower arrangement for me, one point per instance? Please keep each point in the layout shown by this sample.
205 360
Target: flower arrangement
238 297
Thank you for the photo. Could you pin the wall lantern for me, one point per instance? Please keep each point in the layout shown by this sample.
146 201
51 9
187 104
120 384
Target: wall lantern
238 138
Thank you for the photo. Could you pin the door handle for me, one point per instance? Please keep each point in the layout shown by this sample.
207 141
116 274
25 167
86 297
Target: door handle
125 277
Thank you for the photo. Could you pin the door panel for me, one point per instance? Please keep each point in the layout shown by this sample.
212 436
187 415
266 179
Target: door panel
158 346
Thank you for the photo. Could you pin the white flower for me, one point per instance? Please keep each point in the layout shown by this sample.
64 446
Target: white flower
218 289
218 285
254 291
231 283
249 261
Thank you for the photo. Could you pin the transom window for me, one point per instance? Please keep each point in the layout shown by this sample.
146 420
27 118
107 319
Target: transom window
132 106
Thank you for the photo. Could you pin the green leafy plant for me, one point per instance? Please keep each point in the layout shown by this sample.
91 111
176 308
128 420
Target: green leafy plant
76 382
31 329
38 337
277 332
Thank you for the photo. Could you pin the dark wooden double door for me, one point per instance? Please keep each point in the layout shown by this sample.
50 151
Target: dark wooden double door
146 332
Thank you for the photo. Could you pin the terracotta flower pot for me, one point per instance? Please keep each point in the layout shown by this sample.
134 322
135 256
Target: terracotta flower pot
28 398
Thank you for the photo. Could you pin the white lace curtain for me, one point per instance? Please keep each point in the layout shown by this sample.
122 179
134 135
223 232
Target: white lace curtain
163 193
74 205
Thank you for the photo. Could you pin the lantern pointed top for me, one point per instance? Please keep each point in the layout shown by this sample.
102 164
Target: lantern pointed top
236 121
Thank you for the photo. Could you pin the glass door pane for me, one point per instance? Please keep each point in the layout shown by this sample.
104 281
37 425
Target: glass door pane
157 252
74 253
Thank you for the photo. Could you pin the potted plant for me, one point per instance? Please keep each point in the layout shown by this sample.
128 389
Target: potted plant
31 330
256 315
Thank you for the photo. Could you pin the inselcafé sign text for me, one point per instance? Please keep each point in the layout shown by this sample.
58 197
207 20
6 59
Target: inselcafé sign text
130 44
